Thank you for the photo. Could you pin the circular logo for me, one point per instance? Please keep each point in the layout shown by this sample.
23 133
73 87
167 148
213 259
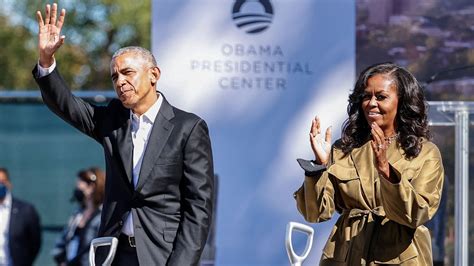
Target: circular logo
252 16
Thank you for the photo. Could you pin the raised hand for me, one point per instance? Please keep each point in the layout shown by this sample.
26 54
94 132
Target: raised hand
321 147
380 145
49 38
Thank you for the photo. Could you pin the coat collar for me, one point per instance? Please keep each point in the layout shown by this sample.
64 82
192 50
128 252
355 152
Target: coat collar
125 145
363 158
160 133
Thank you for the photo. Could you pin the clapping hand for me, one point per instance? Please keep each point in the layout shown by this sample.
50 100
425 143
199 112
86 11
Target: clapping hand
380 146
321 147
49 38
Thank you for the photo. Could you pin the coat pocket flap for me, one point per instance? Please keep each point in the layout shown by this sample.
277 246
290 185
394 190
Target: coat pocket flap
169 234
167 160
343 173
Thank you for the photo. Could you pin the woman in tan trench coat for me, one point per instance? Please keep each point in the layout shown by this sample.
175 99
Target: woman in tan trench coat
383 176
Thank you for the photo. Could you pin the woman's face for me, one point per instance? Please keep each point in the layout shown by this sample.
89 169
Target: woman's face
86 188
380 103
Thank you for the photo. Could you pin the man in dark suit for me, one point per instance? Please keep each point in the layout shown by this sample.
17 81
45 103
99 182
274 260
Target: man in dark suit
20 231
158 195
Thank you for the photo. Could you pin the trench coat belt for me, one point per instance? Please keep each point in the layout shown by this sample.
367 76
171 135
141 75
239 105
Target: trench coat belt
358 220
356 213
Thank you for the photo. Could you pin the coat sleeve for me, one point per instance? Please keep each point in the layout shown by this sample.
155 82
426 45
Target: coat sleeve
34 230
315 198
59 99
197 198
415 199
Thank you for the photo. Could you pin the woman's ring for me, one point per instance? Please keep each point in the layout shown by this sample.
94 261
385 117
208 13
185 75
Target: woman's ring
380 146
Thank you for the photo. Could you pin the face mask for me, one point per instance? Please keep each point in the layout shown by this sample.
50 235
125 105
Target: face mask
77 195
3 191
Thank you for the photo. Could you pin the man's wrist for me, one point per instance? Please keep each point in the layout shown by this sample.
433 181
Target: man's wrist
44 71
46 61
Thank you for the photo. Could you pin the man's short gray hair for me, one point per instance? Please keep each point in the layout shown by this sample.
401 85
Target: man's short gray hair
142 52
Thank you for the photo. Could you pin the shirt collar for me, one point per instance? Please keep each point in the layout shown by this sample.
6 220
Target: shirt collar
7 202
152 112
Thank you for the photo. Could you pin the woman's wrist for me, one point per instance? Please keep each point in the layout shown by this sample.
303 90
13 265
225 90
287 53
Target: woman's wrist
389 174
319 162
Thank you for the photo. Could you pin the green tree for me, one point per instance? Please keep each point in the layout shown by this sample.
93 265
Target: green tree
94 29
15 50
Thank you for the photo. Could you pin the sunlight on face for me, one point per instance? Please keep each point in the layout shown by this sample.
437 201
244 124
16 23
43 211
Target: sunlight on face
380 103
133 81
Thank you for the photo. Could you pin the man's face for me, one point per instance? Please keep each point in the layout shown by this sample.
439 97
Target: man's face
4 180
134 81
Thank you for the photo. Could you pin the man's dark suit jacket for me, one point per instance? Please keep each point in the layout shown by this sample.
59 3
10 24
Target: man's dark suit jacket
24 235
172 203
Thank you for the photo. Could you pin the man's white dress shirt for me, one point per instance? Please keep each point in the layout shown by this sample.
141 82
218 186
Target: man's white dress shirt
5 210
141 129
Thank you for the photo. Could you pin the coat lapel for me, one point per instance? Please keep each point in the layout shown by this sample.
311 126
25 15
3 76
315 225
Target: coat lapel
125 147
397 160
364 162
363 159
162 128
14 217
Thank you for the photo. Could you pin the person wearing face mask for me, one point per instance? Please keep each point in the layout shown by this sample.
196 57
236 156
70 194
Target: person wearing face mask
20 229
73 245
384 176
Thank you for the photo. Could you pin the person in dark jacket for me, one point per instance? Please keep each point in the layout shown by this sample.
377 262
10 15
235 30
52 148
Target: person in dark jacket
73 245
20 230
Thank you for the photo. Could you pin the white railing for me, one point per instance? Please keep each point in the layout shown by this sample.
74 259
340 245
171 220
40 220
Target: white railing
457 114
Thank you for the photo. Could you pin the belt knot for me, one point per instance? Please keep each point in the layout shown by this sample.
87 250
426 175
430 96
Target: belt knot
357 213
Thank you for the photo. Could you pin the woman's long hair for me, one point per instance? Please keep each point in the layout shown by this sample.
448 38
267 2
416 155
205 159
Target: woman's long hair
411 119
96 176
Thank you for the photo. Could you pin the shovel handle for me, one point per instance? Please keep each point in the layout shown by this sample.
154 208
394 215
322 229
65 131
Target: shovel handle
103 241
296 259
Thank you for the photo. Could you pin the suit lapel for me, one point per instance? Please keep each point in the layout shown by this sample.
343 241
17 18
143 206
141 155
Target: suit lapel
162 128
13 217
125 147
